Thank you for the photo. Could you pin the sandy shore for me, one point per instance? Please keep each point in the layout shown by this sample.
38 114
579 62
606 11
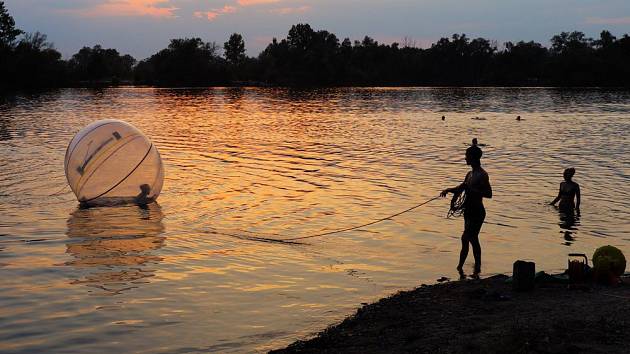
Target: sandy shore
484 316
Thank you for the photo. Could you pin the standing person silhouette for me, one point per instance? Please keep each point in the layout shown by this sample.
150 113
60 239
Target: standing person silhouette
569 191
476 186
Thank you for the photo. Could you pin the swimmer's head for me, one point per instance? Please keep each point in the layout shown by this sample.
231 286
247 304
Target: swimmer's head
568 173
473 155
474 142
145 188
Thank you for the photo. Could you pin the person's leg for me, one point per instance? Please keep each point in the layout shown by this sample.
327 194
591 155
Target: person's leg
463 253
475 228
474 241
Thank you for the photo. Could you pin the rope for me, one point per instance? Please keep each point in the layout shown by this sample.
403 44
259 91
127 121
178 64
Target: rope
288 240
61 191
459 200
255 238
457 204
457 208
361 226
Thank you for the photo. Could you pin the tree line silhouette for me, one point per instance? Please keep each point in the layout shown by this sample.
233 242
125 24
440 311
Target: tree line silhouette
307 57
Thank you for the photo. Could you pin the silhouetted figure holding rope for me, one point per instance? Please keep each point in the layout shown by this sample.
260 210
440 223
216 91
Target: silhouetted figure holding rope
468 200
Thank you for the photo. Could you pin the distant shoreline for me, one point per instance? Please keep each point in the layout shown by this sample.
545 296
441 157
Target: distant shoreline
304 87
308 57
483 316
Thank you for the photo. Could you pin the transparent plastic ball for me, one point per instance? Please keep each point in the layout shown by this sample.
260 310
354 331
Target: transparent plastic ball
112 162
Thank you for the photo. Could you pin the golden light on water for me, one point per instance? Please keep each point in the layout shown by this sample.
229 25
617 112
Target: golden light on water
285 163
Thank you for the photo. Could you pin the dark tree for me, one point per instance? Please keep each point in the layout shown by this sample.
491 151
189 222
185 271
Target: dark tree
39 61
606 40
573 42
308 57
234 49
572 61
8 32
34 63
300 36
99 65
611 59
186 62
522 63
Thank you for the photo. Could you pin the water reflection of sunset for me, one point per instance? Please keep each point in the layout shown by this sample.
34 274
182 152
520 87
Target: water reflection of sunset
250 161
115 246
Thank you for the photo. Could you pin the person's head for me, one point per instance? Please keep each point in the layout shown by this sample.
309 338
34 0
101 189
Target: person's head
568 173
145 188
473 156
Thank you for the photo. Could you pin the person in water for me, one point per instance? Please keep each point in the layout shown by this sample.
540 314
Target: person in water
569 191
143 197
476 186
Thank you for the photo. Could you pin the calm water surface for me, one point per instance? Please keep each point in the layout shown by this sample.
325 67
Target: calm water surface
290 163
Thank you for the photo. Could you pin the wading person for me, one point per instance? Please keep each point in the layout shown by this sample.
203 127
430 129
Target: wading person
143 197
569 191
475 187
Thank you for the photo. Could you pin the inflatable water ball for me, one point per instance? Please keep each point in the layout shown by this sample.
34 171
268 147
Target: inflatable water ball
609 259
112 162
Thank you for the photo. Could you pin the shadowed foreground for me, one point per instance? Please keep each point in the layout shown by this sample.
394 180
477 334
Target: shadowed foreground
484 316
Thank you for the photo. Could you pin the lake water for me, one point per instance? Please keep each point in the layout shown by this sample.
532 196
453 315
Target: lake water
285 163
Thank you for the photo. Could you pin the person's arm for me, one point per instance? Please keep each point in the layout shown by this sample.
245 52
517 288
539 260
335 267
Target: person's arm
457 189
487 192
577 196
558 197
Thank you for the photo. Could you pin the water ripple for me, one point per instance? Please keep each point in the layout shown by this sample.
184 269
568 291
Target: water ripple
245 164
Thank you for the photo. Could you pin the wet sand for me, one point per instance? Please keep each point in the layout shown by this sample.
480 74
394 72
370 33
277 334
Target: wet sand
484 316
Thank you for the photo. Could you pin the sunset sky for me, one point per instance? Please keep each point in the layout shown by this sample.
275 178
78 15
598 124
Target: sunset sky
141 27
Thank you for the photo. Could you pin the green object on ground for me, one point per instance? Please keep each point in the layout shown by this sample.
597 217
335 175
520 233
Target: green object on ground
545 278
609 259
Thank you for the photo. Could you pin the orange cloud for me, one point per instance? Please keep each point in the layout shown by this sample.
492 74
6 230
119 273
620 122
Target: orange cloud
290 10
214 13
227 9
210 15
256 2
608 21
114 8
